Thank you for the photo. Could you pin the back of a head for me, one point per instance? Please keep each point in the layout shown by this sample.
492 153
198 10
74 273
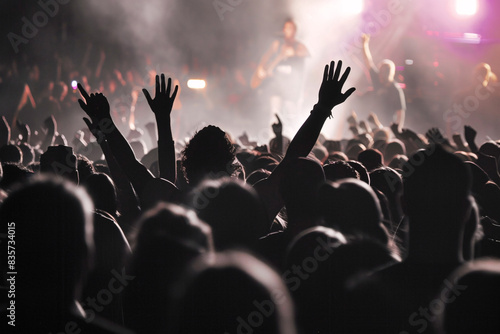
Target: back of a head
339 170
363 172
232 292
102 190
388 181
233 210
169 234
11 153
371 159
209 153
53 228
436 186
301 179
61 161
472 299
13 174
28 154
394 148
352 207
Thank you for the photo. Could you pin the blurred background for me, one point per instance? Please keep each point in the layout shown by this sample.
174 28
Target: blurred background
117 46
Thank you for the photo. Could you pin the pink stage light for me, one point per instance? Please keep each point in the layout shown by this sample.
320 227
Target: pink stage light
466 7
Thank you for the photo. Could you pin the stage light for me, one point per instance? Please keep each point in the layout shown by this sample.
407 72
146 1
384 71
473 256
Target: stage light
74 84
466 7
409 61
353 7
196 83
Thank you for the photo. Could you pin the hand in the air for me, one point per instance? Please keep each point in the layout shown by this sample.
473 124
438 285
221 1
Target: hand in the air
163 102
277 127
330 92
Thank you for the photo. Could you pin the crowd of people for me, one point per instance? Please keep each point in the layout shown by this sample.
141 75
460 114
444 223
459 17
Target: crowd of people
103 231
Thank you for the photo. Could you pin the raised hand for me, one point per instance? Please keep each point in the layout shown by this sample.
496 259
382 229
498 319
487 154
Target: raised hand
330 92
25 131
365 38
163 102
470 137
277 127
353 119
434 135
96 106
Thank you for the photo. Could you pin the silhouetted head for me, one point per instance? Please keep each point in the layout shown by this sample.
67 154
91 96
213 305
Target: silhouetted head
339 170
256 176
492 149
354 150
52 221
60 161
11 153
394 148
352 207
209 154
84 166
102 190
232 292
363 172
386 71
371 159
398 161
14 174
301 179
233 210
170 235
436 186
474 299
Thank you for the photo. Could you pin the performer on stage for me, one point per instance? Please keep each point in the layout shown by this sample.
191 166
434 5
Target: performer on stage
280 67
387 97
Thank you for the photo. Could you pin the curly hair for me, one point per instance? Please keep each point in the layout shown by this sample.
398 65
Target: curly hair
210 153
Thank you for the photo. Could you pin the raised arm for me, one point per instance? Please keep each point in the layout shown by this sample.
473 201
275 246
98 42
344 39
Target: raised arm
161 106
97 108
367 55
330 95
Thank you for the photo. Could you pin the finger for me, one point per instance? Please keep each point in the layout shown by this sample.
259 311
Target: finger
162 90
332 66
279 120
89 123
82 105
169 86
82 91
325 73
174 94
146 94
337 70
157 87
345 75
348 93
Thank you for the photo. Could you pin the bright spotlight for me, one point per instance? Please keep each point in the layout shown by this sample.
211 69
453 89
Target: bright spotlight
466 7
74 84
353 7
196 83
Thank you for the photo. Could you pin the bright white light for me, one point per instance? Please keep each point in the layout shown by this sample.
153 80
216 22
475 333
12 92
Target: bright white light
466 7
196 83
353 7
74 84
409 61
